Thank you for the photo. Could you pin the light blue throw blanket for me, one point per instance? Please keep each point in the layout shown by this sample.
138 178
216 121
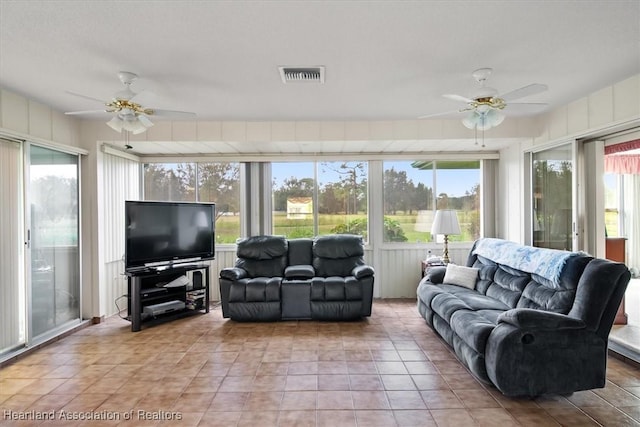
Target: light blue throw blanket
547 263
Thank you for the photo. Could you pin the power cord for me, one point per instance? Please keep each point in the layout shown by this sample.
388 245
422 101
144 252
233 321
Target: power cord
118 308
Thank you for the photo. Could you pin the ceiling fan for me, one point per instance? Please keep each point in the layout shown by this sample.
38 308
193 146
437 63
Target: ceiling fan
485 108
129 115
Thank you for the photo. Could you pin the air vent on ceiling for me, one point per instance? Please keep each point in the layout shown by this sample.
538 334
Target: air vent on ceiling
302 74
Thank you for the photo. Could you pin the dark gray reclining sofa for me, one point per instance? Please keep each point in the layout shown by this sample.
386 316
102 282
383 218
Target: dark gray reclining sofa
274 278
537 321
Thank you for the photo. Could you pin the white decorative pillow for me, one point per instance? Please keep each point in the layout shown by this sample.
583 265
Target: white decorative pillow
461 276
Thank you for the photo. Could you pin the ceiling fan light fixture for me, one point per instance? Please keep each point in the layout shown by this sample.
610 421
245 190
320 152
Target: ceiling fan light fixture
133 125
495 117
115 123
483 120
130 123
145 121
471 120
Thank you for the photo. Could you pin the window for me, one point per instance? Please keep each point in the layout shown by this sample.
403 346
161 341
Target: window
612 197
336 204
170 182
412 192
552 198
214 182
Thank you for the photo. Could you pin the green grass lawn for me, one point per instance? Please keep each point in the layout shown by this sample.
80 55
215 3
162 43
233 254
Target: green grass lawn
228 227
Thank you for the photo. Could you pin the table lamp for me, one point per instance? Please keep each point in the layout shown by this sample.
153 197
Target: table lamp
446 223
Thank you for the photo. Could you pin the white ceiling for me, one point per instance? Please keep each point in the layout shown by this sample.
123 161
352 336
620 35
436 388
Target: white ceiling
385 60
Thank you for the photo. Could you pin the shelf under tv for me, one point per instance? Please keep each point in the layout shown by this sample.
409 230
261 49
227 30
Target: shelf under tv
144 292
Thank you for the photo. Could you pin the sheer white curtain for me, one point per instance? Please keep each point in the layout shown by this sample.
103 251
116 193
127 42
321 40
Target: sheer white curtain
631 214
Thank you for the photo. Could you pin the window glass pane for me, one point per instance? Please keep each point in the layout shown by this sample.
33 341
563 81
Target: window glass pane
342 198
409 192
611 203
408 201
552 198
170 181
338 204
458 188
220 183
55 275
293 199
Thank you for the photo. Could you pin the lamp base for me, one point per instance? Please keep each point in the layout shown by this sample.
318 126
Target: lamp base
445 253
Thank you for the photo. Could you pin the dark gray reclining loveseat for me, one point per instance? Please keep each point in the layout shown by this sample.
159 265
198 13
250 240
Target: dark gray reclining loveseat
274 278
536 321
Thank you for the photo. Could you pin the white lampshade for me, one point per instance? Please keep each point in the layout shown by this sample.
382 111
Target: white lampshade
130 123
445 222
115 124
483 120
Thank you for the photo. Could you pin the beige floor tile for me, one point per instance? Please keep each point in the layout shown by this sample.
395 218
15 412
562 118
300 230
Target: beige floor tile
452 417
297 418
388 370
333 418
299 400
370 400
375 418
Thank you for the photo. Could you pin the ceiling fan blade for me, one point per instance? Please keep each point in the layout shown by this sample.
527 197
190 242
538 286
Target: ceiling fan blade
526 107
528 90
428 116
74 113
170 113
457 97
86 97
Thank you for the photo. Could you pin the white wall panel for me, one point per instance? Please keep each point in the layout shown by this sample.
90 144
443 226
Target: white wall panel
578 116
601 107
39 120
15 112
398 274
510 183
624 103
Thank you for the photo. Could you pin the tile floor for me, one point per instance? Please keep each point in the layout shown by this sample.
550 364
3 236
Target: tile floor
388 370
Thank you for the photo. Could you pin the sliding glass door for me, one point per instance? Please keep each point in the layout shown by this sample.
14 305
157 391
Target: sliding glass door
53 237
552 190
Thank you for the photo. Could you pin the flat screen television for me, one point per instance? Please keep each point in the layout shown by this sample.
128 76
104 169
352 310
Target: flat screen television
164 233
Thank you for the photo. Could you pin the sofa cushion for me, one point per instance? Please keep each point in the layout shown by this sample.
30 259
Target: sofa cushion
507 285
261 289
452 298
559 296
335 289
337 255
262 247
300 251
299 272
474 327
262 256
461 276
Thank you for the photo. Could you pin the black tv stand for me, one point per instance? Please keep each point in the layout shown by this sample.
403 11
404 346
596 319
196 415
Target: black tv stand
142 286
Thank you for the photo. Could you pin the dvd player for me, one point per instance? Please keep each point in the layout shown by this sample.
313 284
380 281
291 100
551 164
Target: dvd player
163 307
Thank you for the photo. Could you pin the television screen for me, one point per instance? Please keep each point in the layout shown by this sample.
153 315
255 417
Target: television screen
160 233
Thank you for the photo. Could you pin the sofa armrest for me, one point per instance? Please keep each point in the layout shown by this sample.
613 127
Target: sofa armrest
531 319
361 271
233 273
435 275
302 271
